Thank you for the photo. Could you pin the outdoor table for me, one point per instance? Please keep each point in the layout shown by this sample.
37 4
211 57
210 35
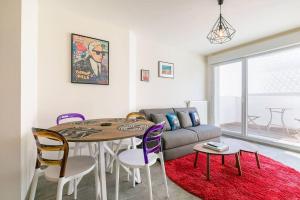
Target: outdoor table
101 131
280 111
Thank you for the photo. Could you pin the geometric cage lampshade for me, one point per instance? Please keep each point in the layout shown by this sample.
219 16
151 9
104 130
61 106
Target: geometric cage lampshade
222 31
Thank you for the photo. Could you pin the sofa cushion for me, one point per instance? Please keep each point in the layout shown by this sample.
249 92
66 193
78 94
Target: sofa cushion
148 112
195 118
179 137
173 120
190 109
158 118
184 119
206 132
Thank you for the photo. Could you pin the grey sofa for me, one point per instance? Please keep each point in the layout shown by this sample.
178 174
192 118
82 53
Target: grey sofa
180 142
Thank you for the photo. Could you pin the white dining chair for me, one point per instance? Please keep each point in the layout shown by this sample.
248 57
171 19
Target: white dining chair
144 158
61 170
129 143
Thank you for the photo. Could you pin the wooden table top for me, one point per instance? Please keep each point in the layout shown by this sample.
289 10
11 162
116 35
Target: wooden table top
96 130
233 149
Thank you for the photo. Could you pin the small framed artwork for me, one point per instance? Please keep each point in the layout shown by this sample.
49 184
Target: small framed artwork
165 69
90 60
145 75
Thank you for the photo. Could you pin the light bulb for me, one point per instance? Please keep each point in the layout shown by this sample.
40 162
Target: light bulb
221 32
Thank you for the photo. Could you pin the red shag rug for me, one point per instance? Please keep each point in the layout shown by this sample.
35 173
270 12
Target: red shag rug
274 181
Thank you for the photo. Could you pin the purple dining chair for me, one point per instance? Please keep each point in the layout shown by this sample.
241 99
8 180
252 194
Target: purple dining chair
67 116
144 158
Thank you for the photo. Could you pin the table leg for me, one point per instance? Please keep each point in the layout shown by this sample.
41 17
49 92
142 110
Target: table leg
270 121
237 157
207 166
101 163
257 160
113 153
282 121
196 159
223 159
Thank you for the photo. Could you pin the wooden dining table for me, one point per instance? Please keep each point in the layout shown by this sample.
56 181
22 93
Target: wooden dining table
101 131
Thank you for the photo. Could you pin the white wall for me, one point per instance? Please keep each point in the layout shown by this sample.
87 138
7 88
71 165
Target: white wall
56 93
189 72
28 91
128 54
10 96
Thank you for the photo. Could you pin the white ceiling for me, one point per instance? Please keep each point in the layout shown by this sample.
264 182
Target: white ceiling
185 23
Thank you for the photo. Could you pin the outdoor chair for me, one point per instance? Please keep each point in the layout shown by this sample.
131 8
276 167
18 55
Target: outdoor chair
251 120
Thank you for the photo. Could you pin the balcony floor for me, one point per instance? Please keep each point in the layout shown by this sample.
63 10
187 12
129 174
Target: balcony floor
258 130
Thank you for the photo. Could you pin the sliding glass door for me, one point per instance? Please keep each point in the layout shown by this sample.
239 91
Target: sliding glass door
274 96
228 96
259 97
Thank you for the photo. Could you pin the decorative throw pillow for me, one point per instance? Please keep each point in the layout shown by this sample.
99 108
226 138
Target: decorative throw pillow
173 120
184 119
158 118
195 118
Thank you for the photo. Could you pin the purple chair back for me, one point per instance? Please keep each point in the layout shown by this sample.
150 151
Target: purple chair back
69 115
150 137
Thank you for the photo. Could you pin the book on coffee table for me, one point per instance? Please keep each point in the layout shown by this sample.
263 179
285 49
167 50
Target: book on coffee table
216 146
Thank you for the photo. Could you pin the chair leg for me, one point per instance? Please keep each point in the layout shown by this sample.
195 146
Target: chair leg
34 183
71 183
91 150
75 183
162 162
128 176
133 176
76 148
111 162
97 182
138 175
60 187
133 172
149 182
108 157
117 179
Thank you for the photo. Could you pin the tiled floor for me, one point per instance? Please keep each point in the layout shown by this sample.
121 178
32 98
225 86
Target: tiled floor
47 190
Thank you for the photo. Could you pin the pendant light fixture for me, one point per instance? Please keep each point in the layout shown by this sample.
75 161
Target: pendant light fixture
222 31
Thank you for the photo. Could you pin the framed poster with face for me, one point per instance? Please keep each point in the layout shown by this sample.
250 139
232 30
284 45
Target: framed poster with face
90 60
165 69
145 75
